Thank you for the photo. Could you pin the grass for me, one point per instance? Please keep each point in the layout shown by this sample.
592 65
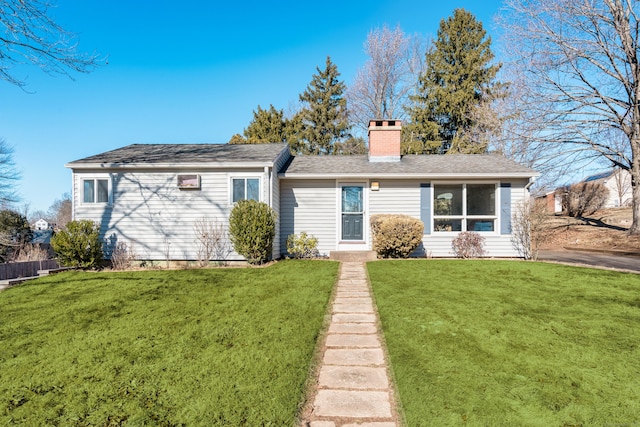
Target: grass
503 343
226 347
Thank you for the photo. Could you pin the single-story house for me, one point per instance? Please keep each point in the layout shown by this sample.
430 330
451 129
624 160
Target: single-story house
151 195
618 182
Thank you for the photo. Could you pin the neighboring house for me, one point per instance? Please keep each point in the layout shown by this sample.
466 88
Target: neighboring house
150 196
552 201
41 224
618 182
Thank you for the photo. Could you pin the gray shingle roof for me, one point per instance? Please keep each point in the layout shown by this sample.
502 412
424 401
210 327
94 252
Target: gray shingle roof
220 155
184 153
412 165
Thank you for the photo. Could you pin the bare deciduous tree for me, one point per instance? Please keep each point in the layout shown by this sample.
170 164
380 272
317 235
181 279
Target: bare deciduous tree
60 211
123 255
529 227
213 241
380 88
30 252
8 174
580 59
519 136
29 35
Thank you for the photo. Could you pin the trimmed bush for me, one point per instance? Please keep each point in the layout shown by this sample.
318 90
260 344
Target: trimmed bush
395 235
79 245
252 228
584 198
302 246
468 244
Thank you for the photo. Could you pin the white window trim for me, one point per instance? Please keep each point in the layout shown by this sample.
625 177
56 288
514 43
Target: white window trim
258 176
464 217
355 245
96 177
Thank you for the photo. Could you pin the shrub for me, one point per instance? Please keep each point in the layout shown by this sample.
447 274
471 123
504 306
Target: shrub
584 198
468 244
529 227
123 256
213 241
79 245
395 236
30 252
14 233
302 246
252 228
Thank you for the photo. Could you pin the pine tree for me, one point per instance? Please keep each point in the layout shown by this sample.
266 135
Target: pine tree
451 111
324 118
266 126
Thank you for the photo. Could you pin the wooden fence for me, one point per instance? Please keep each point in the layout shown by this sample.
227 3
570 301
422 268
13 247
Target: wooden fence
15 270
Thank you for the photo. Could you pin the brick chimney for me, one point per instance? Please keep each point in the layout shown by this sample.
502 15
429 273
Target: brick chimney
384 140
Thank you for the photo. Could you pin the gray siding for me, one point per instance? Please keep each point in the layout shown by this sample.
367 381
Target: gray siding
396 197
496 245
279 163
151 213
309 206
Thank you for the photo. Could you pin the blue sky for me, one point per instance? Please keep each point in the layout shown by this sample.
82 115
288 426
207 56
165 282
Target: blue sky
187 72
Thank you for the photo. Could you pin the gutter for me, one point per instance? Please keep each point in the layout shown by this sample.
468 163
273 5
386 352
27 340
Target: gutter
172 166
400 175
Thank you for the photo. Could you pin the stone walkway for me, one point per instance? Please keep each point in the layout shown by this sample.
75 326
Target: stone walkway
353 388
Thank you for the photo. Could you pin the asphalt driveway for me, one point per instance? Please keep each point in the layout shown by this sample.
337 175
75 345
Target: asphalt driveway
597 259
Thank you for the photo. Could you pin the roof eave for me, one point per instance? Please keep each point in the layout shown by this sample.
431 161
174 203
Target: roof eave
523 175
195 165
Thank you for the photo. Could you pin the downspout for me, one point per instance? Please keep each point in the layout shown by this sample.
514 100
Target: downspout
73 195
532 181
267 172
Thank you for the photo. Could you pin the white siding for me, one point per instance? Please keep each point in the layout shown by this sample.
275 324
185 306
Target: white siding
309 206
151 213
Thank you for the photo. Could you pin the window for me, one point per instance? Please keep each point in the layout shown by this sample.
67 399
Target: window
95 190
464 207
245 189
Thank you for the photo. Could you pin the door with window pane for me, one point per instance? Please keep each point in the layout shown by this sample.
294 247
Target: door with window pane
352 202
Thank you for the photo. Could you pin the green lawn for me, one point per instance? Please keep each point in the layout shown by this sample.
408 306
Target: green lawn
226 347
504 343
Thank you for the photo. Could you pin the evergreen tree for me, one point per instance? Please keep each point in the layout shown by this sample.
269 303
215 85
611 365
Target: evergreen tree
451 111
14 232
324 116
266 126
237 139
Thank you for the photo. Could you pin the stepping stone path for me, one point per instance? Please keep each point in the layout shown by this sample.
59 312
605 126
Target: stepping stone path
353 388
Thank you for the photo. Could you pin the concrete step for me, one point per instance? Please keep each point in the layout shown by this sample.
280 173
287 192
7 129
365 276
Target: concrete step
353 256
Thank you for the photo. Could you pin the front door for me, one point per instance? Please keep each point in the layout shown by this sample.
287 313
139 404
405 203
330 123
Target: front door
352 212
